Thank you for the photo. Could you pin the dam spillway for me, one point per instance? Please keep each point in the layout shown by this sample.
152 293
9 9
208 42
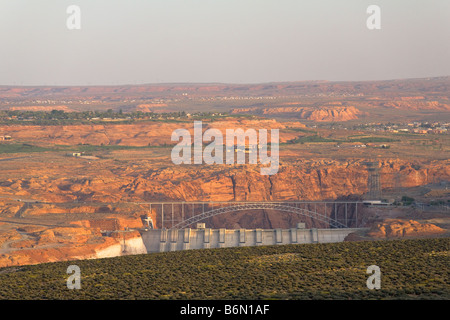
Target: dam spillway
163 240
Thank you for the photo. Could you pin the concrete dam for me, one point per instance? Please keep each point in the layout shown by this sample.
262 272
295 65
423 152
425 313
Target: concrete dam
163 240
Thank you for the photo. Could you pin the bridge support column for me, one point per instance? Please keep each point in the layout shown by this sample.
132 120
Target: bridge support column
173 239
314 235
222 232
186 238
163 240
241 237
293 235
259 237
206 238
278 236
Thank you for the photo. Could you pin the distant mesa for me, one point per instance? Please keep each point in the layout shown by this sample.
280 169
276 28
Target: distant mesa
154 107
326 113
41 108
437 85
415 103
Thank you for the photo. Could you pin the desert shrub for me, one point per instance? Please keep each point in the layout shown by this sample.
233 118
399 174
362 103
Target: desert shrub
415 269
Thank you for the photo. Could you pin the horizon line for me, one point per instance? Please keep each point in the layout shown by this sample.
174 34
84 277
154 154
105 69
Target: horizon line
217 83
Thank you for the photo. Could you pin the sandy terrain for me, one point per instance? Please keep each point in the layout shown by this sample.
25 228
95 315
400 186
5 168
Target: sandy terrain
55 206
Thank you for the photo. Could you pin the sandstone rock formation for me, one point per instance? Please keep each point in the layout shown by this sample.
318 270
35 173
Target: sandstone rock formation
317 179
324 113
397 228
31 244
418 104
138 134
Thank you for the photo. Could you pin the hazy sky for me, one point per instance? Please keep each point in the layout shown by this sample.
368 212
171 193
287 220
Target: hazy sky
231 41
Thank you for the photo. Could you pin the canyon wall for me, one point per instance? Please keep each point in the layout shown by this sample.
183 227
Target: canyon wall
307 180
33 244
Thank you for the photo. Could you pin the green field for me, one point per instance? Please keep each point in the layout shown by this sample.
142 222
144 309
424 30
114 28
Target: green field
410 269
26 148
317 139
21 148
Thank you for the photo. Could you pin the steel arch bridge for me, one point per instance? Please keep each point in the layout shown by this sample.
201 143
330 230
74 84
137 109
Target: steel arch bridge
183 214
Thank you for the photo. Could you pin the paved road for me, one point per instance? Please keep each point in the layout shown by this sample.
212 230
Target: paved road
16 158
35 223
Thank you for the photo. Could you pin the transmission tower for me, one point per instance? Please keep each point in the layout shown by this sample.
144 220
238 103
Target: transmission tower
373 180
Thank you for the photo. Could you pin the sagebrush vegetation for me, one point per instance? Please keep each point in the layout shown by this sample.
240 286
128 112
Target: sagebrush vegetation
410 269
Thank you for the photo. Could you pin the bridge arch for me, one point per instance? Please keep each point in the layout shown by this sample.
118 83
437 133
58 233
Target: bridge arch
284 207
